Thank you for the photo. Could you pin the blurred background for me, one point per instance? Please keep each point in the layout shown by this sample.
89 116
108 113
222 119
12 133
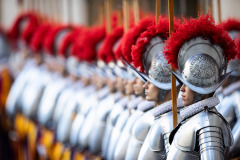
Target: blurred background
78 13
88 12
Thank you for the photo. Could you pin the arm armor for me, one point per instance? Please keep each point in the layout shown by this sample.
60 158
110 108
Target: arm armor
210 143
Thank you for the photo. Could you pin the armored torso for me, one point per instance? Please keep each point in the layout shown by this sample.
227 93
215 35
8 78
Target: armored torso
203 133
156 143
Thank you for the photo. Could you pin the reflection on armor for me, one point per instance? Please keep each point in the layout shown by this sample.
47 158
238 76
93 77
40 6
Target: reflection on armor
65 122
201 72
73 91
202 129
139 133
14 98
49 99
124 138
116 131
102 112
156 144
33 92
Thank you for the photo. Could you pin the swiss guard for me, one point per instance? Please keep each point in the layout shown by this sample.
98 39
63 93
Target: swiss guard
201 51
119 117
148 54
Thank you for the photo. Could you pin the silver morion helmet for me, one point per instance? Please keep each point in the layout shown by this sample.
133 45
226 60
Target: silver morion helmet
155 64
202 66
133 71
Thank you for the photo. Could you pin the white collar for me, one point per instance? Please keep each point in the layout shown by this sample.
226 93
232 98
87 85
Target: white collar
134 103
145 105
103 92
198 107
165 107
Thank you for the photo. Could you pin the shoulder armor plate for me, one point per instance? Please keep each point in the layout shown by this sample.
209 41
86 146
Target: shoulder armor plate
156 140
159 132
142 126
185 138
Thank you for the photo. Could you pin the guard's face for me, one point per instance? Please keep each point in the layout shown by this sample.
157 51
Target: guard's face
151 91
138 86
38 58
120 84
129 87
85 80
111 84
98 81
187 95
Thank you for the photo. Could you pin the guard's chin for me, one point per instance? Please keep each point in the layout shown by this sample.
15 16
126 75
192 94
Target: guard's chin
186 103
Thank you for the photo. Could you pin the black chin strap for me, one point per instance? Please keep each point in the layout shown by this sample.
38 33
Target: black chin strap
198 97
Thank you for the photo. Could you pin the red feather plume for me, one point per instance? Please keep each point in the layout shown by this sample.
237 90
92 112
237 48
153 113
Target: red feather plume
131 36
161 29
68 41
106 51
85 47
26 33
76 48
50 39
231 24
203 26
13 32
38 38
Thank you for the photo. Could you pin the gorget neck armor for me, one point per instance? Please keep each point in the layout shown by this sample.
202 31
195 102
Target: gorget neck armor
126 100
195 108
145 105
103 92
134 103
165 107
116 96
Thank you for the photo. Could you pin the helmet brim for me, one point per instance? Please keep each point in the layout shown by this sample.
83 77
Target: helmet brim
164 86
135 72
202 90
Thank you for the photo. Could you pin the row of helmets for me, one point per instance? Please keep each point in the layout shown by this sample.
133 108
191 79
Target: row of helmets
88 51
71 44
